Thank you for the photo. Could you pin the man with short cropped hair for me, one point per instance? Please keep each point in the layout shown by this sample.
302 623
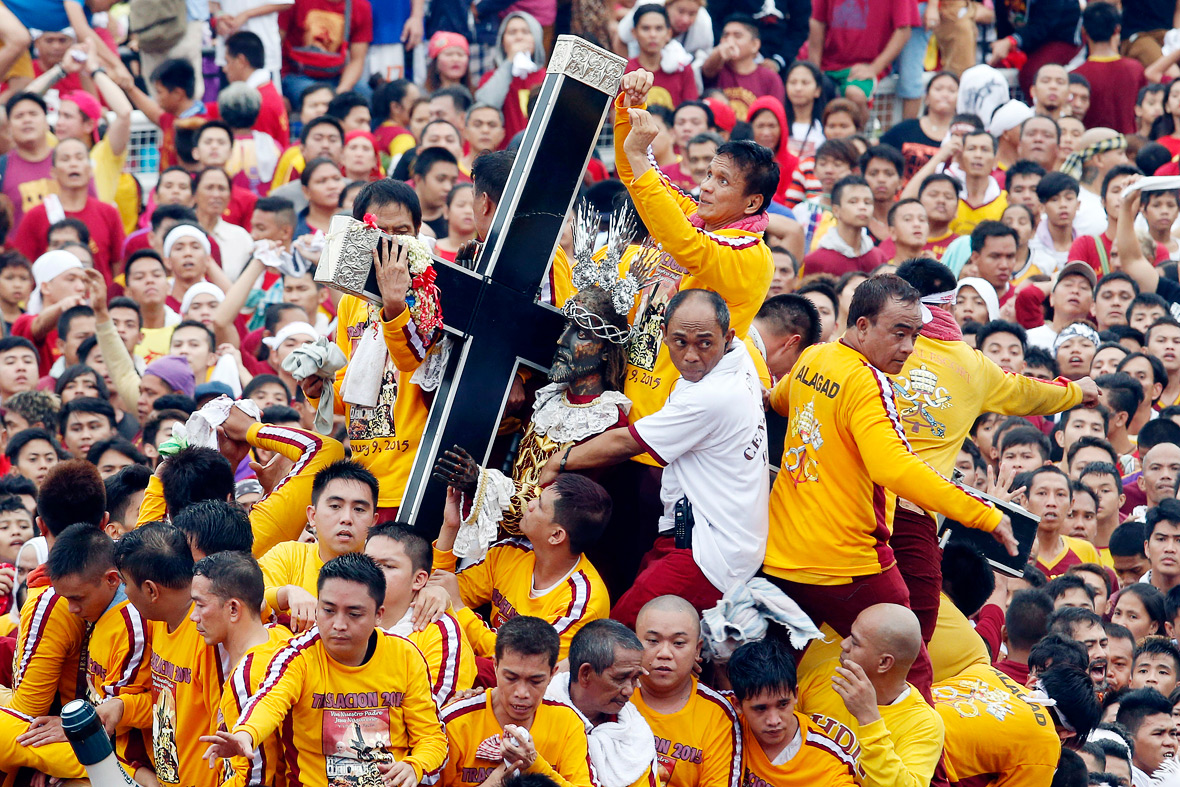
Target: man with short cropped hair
227 591
555 744
684 714
1025 621
84 422
372 671
765 694
1147 716
605 663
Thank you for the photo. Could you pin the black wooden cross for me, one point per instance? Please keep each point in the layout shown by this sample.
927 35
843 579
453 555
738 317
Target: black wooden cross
493 311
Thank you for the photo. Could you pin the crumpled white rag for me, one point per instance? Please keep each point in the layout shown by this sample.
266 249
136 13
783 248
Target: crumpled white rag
744 614
322 358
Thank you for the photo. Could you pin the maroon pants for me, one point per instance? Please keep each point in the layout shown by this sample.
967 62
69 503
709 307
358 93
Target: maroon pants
915 548
1058 52
666 570
838 606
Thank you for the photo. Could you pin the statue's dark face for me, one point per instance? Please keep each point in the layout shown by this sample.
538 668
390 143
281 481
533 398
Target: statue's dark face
579 355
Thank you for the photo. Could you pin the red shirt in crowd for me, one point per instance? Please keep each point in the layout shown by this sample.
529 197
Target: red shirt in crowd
320 24
1114 87
742 90
46 349
106 233
834 263
169 123
1084 248
858 30
670 90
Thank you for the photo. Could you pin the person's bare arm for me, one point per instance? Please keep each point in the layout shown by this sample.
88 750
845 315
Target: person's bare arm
356 66
1155 72
718 57
1131 258
608 448
235 299
16 40
119 131
949 147
815 41
142 101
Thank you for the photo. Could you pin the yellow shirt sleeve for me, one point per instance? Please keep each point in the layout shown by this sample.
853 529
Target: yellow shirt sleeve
482 638
283 565
45 663
128 671
779 401
428 740
281 516
153 507
907 762
55 759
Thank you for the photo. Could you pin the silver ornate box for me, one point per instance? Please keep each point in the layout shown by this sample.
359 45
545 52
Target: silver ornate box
347 260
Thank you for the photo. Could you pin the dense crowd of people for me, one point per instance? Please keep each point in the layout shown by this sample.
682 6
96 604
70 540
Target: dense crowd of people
706 548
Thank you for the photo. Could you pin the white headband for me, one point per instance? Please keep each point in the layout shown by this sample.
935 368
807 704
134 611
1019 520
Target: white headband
289 330
185 231
200 288
48 267
940 298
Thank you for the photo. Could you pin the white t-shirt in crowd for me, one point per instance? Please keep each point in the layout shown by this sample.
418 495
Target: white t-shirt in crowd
1091 216
1042 336
711 437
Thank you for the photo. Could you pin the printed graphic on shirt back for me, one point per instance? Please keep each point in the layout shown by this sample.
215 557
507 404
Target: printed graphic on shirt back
800 463
917 394
355 740
974 697
669 753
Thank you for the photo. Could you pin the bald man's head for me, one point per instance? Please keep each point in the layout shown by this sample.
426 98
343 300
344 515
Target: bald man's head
670 630
885 639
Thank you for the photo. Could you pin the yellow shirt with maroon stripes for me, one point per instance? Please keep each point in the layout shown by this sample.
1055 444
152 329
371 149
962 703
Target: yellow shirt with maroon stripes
55 759
46 661
504 579
187 676
734 263
449 657
384 438
119 665
820 761
830 516
244 680
279 516
699 745
558 735
338 722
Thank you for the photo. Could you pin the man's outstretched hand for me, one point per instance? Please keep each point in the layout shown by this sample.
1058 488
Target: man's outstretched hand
635 86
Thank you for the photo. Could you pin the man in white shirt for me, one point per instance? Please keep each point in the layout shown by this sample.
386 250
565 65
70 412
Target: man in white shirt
711 438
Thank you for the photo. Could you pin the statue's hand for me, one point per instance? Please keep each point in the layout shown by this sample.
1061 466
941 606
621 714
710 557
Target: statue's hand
458 470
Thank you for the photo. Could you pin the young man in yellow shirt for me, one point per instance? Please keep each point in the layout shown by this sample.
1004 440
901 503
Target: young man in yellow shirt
82 569
187 674
227 593
483 732
384 438
995 729
343 508
543 573
406 560
859 685
698 741
350 699
50 636
846 449
780 746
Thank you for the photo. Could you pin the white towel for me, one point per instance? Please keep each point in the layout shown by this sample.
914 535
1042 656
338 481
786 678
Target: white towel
620 751
201 427
745 613
322 358
362 379
674 58
522 65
